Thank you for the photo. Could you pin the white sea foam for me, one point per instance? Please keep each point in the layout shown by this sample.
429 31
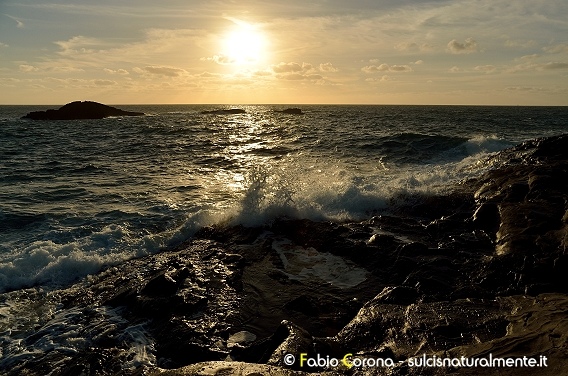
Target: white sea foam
46 262
474 148
67 330
486 144
341 192
302 263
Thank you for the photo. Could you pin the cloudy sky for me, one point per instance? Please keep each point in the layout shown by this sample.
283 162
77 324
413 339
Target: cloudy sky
323 51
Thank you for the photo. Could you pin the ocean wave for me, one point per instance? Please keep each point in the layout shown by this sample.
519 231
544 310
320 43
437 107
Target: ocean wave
415 148
337 192
411 148
47 262
486 144
17 221
297 187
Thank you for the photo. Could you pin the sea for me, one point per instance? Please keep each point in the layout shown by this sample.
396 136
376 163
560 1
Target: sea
79 196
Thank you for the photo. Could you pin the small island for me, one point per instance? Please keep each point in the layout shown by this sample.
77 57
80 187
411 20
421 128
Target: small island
230 111
80 110
292 111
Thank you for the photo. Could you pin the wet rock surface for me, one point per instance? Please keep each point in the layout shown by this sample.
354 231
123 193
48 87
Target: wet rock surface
478 272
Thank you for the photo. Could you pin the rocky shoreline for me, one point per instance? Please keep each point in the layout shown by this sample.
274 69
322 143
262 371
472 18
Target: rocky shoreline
475 273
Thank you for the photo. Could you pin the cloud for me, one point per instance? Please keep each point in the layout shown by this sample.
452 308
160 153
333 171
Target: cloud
386 68
28 68
118 71
522 67
3 45
65 69
559 48
286 67
208 74
383 78
523 88
400 68
19 24
299 76
553 66
407 46
327 67
454 69
375 68
219 59
485 68
262 73
164 71
529 57
413 47
295 71
104 82
523 44
9 82
468 47
78 44
419 62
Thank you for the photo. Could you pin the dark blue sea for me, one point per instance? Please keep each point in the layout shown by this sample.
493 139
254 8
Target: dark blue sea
79 196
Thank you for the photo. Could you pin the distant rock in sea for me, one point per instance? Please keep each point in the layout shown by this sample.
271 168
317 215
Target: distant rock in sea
231 111
292 111
80 110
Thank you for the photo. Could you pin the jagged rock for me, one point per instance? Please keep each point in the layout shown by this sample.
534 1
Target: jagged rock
517 327
80 110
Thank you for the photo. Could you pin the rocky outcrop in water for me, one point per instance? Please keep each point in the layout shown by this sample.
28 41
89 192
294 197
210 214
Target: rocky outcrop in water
230 111
80 110
292 111
479 273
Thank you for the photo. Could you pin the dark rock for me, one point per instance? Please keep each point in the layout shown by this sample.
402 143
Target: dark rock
412 249
160 285
295 340
397 295
80 110
292 111
487 218
303 304
230 111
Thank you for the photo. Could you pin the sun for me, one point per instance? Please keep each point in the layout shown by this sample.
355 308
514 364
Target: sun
244 45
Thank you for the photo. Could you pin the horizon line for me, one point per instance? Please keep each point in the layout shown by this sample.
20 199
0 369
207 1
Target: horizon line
293 104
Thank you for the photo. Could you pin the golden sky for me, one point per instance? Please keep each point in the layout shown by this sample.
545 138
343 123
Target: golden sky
512 52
